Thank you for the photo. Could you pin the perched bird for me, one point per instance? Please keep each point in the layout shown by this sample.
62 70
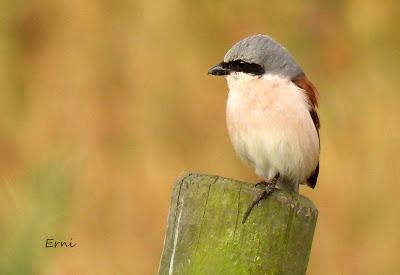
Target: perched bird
271 114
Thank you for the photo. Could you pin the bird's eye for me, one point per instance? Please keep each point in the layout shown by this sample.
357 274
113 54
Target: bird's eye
238 65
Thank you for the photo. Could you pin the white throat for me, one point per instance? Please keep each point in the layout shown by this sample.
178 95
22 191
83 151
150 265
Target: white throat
239 80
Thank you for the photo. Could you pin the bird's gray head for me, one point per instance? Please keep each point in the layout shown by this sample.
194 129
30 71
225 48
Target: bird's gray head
258 55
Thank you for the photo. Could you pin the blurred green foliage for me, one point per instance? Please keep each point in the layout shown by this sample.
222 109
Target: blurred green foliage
33 210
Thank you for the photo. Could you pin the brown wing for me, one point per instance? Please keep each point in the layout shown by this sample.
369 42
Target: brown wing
312 94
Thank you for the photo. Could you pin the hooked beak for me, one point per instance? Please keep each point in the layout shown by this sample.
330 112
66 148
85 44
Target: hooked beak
219 69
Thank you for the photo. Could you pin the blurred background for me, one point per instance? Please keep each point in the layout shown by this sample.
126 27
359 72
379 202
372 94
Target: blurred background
104 103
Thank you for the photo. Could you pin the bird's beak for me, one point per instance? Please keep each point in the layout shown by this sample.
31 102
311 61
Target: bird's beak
219 69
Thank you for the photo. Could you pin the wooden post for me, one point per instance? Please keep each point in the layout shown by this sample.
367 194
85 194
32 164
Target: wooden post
205 234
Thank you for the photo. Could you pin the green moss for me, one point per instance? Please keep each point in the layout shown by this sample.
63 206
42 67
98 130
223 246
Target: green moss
209 237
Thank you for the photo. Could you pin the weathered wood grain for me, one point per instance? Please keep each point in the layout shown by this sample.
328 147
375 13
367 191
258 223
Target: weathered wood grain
205 234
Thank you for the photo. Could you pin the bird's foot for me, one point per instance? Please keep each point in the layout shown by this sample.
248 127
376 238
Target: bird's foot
262 184
269 186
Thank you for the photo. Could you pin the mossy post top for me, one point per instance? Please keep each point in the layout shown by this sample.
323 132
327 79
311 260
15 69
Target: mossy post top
205 234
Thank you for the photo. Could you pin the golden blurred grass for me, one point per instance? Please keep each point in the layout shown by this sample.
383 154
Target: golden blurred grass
103 104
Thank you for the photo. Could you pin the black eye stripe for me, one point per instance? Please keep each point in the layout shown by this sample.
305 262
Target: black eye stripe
245 67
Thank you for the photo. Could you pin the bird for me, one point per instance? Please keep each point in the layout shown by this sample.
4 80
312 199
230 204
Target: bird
271 115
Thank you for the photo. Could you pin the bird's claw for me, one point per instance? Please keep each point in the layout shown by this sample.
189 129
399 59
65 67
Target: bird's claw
263 184
269 189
